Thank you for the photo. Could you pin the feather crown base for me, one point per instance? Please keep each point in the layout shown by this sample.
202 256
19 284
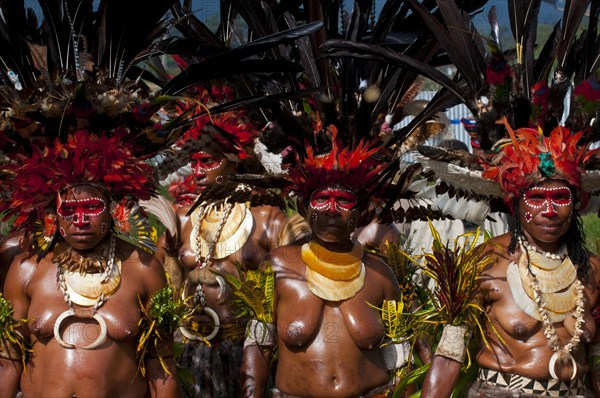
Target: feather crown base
354 168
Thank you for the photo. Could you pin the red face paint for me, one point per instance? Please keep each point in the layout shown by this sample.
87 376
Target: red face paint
204 162
547 198
545 214
79 211
335 199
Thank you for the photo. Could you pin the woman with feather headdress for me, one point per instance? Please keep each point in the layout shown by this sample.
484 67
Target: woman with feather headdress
83 307
326 330
229 218
541 291
226 232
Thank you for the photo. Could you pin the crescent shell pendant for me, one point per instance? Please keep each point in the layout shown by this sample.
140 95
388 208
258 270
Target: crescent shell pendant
552 366
69 313
59 320
192 336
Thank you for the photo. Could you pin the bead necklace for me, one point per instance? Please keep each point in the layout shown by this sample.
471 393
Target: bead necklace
561 254
199 297
560 353
205 261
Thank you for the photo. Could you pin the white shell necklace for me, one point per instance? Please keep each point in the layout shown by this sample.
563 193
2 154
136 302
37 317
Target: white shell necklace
561 254
84 313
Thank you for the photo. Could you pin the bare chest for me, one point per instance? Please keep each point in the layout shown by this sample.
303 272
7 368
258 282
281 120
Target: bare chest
48 308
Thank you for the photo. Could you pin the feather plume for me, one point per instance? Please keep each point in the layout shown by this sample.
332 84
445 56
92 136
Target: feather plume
162 209
572 16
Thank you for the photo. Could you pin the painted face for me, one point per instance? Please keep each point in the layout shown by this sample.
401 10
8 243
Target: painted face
545 211
548 199
207 168
83 219
332 214
336 199
79 211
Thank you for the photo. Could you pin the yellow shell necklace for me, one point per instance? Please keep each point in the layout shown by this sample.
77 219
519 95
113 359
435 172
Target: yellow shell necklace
331 275
220 230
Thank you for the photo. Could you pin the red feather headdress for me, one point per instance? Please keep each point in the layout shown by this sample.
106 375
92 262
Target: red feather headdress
530 157
228 134
354 168
105 162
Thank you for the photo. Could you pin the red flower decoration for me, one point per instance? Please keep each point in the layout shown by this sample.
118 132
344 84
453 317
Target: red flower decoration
587 90
498 73
50 224
120 213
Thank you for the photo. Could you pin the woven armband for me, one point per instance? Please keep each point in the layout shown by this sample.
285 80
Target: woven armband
260 334
396 355
452 343
594 356
11 350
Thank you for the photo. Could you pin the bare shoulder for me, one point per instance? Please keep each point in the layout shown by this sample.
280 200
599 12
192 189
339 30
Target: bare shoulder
285 258
380 267
147 266
20 271
271 216
375 234
134 255
268 211
594 260
376 263
382 274
498 244
10 249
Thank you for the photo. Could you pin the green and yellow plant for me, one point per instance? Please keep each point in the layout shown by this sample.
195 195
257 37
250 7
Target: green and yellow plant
166 312
455 271
254 292
10 338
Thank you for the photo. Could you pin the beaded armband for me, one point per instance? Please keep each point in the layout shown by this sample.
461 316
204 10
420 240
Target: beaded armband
259 333
452 343
594 356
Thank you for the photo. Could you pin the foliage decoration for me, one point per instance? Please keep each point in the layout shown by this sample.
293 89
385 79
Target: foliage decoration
165 313
10 337
254 292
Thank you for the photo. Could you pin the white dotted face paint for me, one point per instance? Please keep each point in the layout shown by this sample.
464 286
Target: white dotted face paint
204 163
79 211
337 199
547 199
